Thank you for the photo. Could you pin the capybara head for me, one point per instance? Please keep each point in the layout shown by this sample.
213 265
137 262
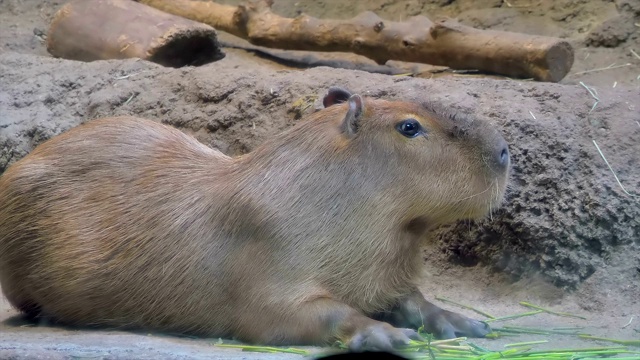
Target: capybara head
444 166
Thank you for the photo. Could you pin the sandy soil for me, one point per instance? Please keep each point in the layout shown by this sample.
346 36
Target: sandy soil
567 238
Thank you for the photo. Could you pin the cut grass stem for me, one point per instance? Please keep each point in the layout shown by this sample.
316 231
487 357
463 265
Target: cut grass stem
515 316
622 342
529 305
445 300
613 172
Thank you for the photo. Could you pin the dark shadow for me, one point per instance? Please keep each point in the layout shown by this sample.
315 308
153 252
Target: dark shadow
362 355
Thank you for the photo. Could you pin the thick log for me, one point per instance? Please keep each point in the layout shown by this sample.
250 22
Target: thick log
444 42
117 29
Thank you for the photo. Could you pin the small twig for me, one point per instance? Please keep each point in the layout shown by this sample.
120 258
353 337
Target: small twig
463 71
610 67
129 99
524 303
125 47
592 92
533 116
615 83
465 307
630 320
634 53
613 172
127 76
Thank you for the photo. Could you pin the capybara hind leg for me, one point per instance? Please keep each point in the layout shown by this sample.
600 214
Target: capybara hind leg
414 311
18 298
30 309
323 321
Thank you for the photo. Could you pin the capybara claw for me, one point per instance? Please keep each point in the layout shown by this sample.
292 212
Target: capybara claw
449 325
381 337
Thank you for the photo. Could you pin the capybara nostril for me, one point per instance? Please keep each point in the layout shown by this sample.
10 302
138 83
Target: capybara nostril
504 157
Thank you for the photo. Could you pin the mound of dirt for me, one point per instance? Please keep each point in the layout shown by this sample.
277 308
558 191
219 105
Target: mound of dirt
565 214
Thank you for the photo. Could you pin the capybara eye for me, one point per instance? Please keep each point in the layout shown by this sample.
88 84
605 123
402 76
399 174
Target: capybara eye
409 128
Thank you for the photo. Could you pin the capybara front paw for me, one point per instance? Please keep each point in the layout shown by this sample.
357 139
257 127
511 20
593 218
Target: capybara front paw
448 325
381 337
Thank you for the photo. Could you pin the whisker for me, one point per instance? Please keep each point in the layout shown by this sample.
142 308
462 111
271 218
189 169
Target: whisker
474 195
490 208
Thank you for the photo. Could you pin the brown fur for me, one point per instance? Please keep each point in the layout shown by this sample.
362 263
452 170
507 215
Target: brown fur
124 222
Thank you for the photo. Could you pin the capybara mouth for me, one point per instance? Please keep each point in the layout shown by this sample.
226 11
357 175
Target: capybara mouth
484 203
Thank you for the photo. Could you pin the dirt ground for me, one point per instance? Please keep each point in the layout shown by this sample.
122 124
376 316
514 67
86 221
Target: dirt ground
567 237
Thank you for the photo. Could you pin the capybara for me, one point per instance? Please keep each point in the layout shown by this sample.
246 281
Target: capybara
312 237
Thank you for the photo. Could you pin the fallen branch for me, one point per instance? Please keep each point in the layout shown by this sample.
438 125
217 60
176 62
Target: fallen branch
444 42
293 60
118 29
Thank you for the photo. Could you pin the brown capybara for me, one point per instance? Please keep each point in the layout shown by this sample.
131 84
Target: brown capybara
312 237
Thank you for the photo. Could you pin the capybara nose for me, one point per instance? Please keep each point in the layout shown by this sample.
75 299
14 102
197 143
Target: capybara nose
502 157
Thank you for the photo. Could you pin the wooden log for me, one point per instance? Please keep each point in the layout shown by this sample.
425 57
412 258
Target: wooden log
444 42
117 29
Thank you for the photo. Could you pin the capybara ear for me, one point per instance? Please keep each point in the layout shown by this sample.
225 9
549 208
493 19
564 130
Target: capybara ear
351 121
336 95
